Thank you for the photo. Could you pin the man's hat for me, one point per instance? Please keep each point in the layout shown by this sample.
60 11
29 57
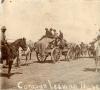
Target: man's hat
54 30
51 29
46 28
3 28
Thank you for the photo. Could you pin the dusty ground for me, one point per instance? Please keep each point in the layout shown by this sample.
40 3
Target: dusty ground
48 76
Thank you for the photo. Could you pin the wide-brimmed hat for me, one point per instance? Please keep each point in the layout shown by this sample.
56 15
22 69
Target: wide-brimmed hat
3 29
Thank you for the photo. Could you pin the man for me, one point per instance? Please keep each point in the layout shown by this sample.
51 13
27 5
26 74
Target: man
60 35
47 32
3 42
51 33
96 39
55 33
97 52
98 36
3 36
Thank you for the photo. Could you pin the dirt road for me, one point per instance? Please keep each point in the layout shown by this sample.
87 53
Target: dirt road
45 76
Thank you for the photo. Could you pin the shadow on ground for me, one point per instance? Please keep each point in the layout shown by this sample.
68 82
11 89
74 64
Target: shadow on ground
43 62
6 75
91 69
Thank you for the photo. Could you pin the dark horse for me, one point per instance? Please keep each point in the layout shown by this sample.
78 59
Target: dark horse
10 51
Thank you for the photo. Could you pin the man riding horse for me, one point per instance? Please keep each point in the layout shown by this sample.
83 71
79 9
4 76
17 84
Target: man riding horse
9 51
3 39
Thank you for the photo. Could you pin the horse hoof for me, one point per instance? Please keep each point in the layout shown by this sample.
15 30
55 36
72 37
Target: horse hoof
8 76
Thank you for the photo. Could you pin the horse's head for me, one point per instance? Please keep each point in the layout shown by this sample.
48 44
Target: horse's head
23 44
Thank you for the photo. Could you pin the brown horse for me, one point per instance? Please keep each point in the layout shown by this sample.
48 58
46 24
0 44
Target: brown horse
10 51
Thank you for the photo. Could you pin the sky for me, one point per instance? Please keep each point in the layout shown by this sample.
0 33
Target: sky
79 20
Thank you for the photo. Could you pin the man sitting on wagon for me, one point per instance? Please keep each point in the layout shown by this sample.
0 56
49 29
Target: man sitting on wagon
55 37
60 35
55 33
50 34
46 34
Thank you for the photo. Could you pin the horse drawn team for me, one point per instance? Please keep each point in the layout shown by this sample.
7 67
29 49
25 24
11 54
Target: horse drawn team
51 44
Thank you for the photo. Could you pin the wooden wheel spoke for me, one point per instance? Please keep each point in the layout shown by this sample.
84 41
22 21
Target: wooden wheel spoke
55 54
41 57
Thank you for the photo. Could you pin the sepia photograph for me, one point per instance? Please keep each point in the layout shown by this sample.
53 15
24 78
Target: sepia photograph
49 44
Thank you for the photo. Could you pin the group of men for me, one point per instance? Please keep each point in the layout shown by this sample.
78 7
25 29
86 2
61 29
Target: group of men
52 33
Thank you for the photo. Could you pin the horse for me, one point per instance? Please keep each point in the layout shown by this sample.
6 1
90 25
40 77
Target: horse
30 48
77 51
83 49
91 50
97 54
28 52
10 52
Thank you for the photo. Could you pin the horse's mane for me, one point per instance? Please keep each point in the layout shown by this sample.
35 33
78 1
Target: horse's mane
16 41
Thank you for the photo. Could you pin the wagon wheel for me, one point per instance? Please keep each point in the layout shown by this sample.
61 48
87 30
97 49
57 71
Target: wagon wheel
55 54
41 58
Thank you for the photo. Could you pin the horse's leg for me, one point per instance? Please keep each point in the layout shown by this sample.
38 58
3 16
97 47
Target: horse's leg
76 55
89 53
18 60
6 62
9 68
96 63
1 60
67 57
30 55
26 59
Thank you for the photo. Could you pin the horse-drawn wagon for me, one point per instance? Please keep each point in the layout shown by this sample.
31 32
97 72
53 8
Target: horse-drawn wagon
50 47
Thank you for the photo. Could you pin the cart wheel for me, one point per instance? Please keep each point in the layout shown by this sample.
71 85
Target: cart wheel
55 54
41 58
